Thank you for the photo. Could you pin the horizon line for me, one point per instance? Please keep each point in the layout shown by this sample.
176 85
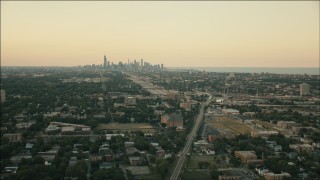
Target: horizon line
165 66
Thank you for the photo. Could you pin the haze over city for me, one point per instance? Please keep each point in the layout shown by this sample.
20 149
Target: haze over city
155 90
176 34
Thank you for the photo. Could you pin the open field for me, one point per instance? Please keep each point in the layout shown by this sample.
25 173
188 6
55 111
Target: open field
225 122
144 127
195 159
149 176
195 175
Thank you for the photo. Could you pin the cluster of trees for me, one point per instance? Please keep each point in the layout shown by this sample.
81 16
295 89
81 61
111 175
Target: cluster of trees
162 166
112 173
35 168
288 115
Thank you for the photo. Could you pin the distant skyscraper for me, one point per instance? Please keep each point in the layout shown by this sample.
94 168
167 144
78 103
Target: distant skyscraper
304 89
105 63
161 66
141 64
3 96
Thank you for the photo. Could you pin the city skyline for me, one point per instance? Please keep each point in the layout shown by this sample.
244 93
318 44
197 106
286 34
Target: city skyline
176 34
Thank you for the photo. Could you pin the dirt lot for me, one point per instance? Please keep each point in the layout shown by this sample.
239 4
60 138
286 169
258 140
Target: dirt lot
145 127
224 122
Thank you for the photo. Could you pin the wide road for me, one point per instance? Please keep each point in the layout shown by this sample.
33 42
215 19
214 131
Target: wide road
149 87
189 142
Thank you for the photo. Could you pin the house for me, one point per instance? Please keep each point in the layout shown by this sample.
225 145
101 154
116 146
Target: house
131 150
11 169
21 155
105 165
286 124
277 148
73 161
128 144
135 160
49 155
130 101
29 146
104 151
271 144
160 152
185 105
13 137
302 147
24 125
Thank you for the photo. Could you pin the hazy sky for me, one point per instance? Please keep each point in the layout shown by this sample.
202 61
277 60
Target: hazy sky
198 34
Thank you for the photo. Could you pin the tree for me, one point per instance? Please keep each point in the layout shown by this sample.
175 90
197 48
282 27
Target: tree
162 167
213 170
100 174
38 160
78 170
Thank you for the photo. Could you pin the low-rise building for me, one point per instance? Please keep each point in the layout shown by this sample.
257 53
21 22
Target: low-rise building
13 137
302 147
248 157
226 177
286 124
230 111
245 155
67 128
130 101
135 160
24 125
273 176
264 134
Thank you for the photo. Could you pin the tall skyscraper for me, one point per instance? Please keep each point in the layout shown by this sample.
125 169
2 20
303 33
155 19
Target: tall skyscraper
105 63
3 96
141 64
304 89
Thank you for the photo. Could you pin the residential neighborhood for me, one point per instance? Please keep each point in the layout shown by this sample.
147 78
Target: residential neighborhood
134 123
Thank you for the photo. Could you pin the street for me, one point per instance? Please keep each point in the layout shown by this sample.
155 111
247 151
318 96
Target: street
189 142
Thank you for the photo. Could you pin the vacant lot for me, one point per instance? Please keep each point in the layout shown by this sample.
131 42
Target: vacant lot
145 127
195 175
192 163
225 122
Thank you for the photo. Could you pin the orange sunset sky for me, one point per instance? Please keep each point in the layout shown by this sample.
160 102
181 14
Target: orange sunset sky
177 34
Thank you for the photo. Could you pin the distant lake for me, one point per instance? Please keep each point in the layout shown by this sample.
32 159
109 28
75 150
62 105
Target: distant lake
310 71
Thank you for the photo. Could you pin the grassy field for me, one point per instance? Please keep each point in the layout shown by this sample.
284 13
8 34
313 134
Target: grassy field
192 163
195 175
149 176
127 127
224 122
